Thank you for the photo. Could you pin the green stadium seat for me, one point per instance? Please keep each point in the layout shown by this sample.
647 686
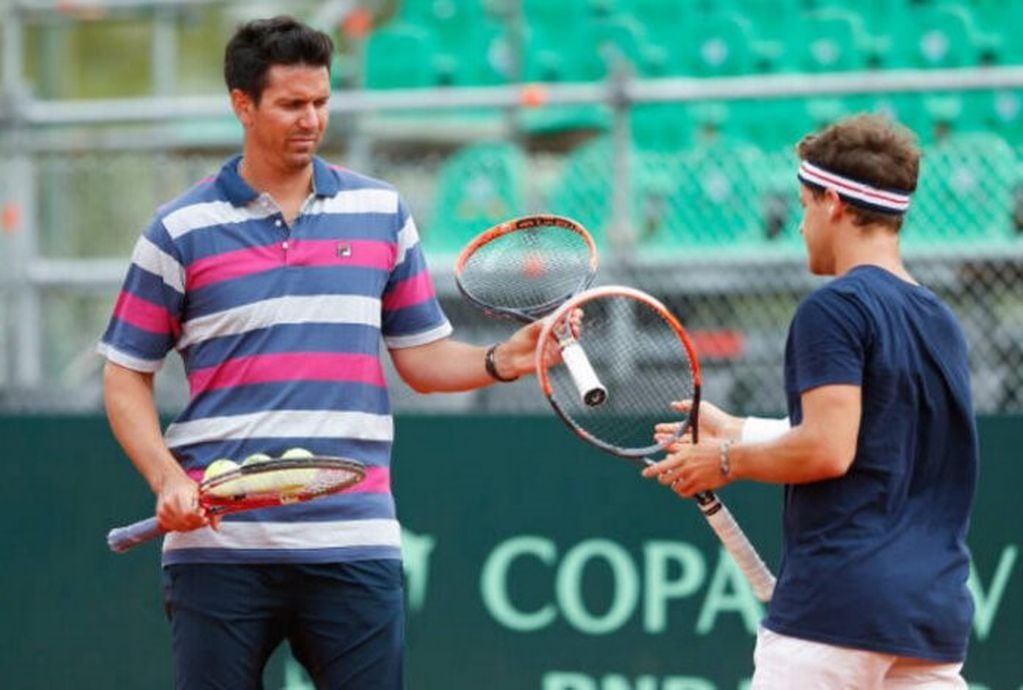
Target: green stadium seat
879 17
776 123
559 45
469 43
937 115
666 23
483 57
832 40
661 127
622 36
400 55
942 36
725 47
1000 18
965 193
708 198
448 20
480 185
583 189
1006 114
771 20
714 201
558 41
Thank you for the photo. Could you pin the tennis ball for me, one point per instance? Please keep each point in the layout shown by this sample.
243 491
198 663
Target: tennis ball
256 457
295 454
218 467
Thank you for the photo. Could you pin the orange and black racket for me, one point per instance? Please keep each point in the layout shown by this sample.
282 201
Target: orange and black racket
524 268
627 345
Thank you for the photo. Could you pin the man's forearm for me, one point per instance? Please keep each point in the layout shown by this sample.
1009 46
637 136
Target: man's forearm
131 412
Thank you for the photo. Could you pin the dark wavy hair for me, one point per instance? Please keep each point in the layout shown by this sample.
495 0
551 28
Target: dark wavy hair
262 43
871 149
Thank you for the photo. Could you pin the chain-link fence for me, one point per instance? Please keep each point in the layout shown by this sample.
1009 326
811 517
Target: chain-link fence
711 228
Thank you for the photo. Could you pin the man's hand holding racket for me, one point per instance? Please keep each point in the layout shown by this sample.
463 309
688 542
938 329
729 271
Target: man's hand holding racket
688 470
265 484
646 362
177 504
523 269
516 356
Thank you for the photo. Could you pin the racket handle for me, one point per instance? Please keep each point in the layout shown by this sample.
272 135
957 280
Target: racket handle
738 545
590 388
120 539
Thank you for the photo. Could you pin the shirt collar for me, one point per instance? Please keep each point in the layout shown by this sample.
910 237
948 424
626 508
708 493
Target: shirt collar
240 193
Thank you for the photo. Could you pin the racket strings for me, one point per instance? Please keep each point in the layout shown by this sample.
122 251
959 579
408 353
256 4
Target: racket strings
643 363
531 269
283 484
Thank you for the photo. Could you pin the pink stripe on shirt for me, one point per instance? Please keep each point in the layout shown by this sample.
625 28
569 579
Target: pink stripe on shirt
361 253
291 366
414 290
299 252
228 265
145 315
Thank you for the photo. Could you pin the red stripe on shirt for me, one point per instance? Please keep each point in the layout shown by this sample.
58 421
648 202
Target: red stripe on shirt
244 262
145 315
414 290
292 366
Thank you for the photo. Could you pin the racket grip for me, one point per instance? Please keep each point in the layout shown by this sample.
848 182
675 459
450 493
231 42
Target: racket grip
120 539
591 390
738 546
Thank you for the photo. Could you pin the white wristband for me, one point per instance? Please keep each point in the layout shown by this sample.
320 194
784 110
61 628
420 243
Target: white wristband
759 429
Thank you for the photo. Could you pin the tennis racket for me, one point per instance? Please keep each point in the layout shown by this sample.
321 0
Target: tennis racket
646 361
523 269
261 485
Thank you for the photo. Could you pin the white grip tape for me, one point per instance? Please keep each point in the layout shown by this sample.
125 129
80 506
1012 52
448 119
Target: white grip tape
591 390
734 539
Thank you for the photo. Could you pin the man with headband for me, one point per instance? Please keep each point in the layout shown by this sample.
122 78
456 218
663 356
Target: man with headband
879 452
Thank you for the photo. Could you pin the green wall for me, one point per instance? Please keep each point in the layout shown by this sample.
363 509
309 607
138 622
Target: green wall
532 563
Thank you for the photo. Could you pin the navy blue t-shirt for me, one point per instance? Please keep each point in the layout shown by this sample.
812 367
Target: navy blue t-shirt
877 559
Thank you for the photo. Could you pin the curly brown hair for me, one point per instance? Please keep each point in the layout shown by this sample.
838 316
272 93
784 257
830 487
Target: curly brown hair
871 149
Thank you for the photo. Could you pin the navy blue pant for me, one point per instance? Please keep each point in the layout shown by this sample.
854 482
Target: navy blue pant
344 622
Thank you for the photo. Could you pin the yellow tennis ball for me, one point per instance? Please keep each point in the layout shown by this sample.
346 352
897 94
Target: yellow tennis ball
295 454
218 467
256 457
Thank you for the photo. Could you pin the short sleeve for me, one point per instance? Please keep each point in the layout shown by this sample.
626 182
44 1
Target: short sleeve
412 315
829 340
146 319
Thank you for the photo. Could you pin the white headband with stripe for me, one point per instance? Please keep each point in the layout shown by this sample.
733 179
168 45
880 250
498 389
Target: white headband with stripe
856 193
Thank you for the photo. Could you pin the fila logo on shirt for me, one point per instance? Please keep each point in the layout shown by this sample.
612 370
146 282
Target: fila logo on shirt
344 250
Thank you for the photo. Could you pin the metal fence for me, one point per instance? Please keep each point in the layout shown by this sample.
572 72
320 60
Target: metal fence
706 221
736 294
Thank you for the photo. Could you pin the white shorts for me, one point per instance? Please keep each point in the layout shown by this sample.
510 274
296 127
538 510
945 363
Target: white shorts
785 663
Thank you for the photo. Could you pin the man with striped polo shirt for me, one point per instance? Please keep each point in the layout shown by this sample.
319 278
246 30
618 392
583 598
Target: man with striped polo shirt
275 281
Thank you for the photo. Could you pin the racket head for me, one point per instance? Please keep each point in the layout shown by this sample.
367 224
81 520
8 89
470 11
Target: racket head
278 482
525 267
644 358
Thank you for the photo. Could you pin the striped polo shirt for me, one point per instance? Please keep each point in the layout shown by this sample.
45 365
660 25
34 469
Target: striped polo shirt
279 329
